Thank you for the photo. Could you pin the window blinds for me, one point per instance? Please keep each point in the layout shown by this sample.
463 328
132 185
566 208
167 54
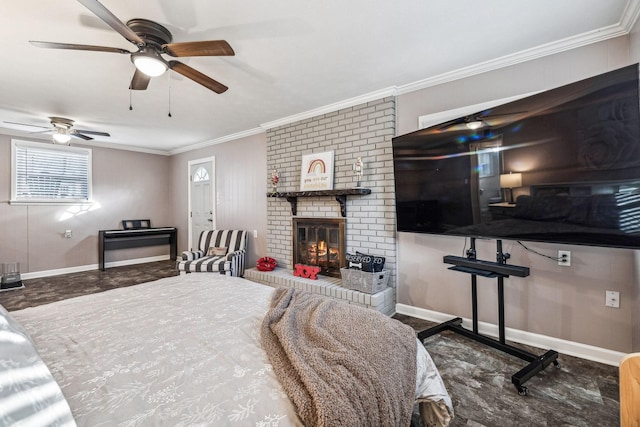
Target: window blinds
50 173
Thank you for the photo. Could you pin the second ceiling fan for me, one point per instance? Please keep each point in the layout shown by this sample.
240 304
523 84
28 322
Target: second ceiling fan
63 130
152 40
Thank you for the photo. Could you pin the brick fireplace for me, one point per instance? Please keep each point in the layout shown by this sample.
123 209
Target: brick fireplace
364 130
320 242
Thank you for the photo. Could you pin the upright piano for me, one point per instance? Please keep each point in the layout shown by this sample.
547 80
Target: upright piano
136 238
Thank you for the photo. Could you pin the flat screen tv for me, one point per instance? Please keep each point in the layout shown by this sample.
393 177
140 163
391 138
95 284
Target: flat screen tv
560 166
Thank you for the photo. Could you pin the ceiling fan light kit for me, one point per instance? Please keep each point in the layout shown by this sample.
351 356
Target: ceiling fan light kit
61 136
150 63
476 124
61 129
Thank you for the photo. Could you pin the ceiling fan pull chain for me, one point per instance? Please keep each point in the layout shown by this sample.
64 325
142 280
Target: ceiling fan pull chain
169 76
130 100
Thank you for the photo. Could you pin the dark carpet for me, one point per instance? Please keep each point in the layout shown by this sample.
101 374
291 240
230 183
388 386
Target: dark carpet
478 378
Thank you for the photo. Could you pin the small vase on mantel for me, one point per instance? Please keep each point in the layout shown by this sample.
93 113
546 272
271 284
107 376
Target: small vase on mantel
275 178
358 169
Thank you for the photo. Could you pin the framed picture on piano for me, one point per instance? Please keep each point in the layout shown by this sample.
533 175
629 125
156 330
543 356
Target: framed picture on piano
136 224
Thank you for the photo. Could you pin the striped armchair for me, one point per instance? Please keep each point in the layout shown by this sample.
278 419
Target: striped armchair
220 251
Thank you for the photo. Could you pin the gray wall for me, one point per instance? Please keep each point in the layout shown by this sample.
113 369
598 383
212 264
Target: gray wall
133 185
562 302
126 185
241 183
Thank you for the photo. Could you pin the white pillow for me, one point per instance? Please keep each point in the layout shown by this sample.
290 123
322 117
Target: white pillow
29 395
217 251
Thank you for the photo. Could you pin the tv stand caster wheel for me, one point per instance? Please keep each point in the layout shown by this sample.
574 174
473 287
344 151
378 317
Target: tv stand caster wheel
523 391
556 364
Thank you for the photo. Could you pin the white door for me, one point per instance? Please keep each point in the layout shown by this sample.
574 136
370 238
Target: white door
486 169
201 198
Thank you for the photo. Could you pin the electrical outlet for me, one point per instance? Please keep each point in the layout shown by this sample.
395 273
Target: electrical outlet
68 234
564 258
612 299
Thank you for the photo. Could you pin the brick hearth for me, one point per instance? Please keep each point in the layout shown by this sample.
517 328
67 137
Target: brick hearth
383 301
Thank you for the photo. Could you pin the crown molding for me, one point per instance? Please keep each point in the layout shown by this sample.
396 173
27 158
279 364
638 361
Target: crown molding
630 15
371 96
125 147
627 21
222 139
78 142
529 54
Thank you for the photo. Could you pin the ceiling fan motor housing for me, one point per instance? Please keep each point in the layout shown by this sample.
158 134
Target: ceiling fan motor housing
61 123
151 32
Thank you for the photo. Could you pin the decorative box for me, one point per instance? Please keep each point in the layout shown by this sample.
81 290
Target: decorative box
364 281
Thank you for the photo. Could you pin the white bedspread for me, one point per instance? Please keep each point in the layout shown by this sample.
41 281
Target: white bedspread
179 351
197 362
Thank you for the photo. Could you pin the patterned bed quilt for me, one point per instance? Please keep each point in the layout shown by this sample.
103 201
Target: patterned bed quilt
180 351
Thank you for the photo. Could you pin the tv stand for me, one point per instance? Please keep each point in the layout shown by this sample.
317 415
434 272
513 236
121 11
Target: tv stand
498 270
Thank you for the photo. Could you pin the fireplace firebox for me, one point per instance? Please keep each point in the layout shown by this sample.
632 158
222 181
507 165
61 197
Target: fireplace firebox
320 242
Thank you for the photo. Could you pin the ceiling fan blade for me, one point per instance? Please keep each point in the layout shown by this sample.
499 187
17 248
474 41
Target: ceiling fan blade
140 81
103 13
77 134
451 123
24 124
91 132
197 76
71 46
488 115
200 48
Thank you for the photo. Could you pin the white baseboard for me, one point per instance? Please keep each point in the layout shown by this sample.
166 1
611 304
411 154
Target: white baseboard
570 348
81 268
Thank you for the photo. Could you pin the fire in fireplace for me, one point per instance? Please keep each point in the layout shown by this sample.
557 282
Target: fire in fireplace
320 242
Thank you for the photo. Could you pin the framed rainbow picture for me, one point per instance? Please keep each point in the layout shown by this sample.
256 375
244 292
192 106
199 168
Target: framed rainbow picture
316 173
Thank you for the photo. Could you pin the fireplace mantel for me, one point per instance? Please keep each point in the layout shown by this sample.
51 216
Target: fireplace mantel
340 195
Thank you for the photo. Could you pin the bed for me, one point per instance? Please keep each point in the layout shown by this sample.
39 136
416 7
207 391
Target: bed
184 350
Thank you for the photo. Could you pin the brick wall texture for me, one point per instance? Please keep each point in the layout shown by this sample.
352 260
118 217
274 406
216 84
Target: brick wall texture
362 131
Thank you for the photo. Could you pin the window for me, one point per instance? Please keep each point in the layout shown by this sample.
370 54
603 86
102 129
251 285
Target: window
46 173
201 175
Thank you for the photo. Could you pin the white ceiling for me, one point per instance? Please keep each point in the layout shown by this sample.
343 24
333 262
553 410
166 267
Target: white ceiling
292 57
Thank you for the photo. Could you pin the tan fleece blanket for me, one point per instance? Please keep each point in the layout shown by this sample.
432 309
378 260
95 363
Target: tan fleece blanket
340 364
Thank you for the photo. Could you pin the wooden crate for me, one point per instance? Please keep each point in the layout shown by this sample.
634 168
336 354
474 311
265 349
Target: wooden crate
364 281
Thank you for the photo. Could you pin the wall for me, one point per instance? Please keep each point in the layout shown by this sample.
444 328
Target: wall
361 131
131 185
241 183
562 302
126 185
634 52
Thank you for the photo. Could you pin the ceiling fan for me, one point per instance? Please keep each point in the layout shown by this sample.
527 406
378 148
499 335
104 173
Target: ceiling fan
152 40
478 120
63 130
